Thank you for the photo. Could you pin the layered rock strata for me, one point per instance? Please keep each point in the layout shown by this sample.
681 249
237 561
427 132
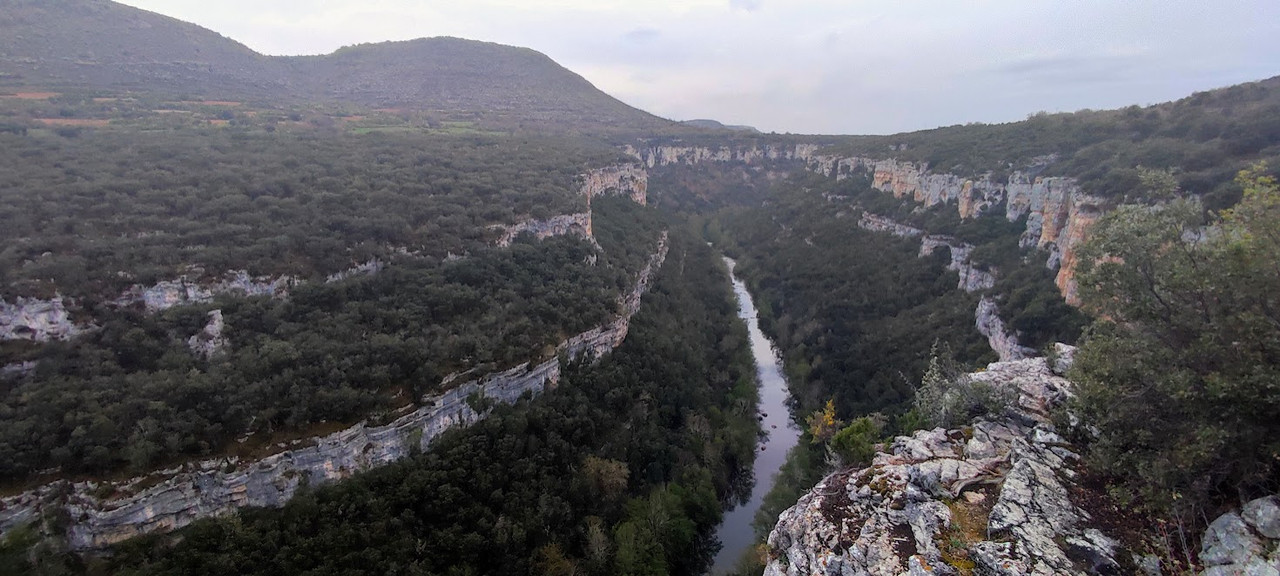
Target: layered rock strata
914 510
172 499
1058 213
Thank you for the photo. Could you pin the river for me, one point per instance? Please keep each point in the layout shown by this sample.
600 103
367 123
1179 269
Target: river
735 533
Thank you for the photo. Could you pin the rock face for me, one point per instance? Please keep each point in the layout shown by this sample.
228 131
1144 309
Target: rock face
1246 543
1005 343
916 508
1058 212
35 319
181 291
972 279
626 179
219 486
623 179
576 224
210 340
987 316
367 268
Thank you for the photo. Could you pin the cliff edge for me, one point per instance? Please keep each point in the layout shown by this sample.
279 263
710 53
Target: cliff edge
1001 497
995 497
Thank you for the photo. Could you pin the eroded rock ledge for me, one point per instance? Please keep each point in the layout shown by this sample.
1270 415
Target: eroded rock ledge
972 279
993 498
1058 213
171 499
628 180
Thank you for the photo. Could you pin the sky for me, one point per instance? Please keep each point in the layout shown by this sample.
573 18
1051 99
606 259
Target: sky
816 66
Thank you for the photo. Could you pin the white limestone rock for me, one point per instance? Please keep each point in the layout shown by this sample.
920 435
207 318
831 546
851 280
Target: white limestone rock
888 518
37 320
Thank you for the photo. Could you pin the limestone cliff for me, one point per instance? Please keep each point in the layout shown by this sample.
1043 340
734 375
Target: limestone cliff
170 499
995 498
565 224
1058 213
183 290
987 315
627 180
36 319
1003 341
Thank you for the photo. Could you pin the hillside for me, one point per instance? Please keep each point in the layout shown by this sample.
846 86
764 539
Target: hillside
105 47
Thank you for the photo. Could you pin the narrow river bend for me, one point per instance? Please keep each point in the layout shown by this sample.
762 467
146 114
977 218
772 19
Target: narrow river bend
735 532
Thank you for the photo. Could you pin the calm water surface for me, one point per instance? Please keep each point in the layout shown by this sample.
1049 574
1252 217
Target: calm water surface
735 532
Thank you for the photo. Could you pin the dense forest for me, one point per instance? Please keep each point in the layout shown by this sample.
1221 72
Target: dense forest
1206 138
1179 373
91 214
182 156
619 470
132 395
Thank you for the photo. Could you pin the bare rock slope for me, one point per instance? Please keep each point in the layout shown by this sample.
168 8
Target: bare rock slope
991 498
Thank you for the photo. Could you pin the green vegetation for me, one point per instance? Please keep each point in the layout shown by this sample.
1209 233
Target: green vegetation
619 470
80 211
1205 138
81 45
1181 372
854 312
948 397
131 394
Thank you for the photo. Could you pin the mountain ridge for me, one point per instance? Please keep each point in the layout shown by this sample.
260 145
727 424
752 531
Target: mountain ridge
99 45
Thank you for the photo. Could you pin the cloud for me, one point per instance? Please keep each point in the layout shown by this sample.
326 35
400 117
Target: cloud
1072 68
641 35
744 5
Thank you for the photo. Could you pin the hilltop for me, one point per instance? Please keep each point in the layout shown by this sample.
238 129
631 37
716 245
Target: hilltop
103 46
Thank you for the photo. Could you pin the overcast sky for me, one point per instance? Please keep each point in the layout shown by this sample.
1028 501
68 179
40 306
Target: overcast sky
816 66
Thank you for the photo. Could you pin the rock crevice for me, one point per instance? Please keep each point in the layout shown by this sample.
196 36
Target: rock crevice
902 514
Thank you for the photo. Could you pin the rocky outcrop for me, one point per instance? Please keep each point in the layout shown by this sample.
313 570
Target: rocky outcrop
37 320
972 278
183 291
170 499
368 268
1058 213
626 179
209 341
1244 542
876 223
918 507
1002 341
565 224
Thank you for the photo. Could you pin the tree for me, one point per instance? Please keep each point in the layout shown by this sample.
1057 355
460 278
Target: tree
1181 372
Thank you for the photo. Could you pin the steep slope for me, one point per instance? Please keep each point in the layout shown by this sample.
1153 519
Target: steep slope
98 45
